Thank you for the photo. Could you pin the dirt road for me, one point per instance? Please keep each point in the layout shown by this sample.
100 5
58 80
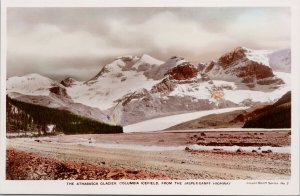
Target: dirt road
176 164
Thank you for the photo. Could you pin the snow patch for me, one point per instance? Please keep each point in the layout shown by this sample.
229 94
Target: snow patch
92 142
105 90
260 56
285 149
31 84
169 121
150 60
280 60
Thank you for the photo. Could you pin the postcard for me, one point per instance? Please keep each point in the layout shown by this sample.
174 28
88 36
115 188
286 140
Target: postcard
139 97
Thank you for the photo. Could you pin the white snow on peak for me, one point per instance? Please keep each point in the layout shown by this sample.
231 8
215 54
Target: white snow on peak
280 60
31 84
150 60
260 56
277 60
158 72
126 57
146 59
120 77
131 62
112 85
238 94
115 66
169 64
115 82
105 90
197 90
177 60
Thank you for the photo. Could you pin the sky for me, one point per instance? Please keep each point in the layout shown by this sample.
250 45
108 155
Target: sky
77 42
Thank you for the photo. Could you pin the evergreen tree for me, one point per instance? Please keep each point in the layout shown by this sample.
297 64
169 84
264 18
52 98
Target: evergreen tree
31 117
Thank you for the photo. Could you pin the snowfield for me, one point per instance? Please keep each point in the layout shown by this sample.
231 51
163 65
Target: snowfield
156 93
162 123
105 90
260 56
116 81
31 84
239 95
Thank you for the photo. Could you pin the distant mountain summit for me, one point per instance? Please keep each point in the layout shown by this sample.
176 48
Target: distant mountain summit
280 60
68 82
31 84
249 67
141 63
136 88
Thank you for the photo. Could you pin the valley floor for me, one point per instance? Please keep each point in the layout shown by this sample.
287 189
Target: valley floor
152 155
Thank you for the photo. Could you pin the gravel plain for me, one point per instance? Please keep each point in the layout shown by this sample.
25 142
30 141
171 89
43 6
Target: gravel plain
77 156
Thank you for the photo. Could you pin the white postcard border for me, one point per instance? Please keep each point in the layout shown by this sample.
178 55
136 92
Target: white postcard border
240 187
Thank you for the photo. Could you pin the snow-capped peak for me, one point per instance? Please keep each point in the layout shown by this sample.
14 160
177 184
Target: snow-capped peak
69 81
128 63
175 61
145 62
278 60
150 60
248 66
31 84
149 88
159 72
31 77
144 58
260 56
126 57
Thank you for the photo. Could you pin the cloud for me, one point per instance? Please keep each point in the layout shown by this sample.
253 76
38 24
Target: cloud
59 42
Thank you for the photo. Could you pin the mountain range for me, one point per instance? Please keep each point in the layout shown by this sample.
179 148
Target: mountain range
132 88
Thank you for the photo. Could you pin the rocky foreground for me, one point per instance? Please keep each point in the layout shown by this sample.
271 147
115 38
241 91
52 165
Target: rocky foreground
150 156
31 166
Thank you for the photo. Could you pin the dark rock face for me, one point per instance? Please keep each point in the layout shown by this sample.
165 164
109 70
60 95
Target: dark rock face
236 63
227 59
277 115
209 67
254 69
270 81
183 72
164 86
201 67
254 72
126 58
59 91
67 82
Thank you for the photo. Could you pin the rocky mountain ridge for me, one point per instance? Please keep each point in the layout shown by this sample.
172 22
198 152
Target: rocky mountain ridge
244 65
137 88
